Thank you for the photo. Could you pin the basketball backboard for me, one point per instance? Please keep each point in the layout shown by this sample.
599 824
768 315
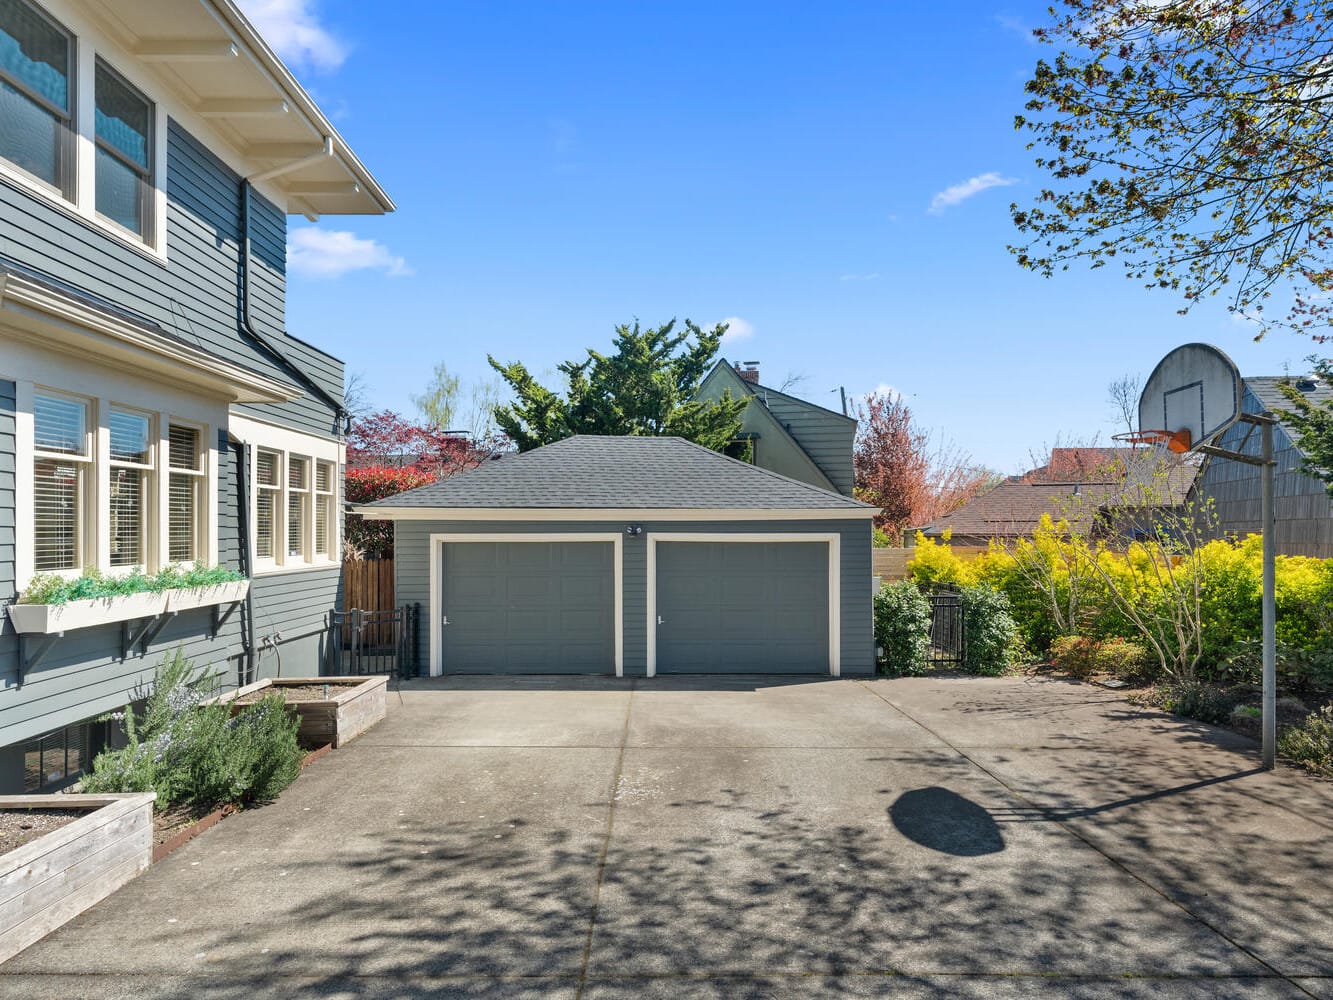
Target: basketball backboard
1195 388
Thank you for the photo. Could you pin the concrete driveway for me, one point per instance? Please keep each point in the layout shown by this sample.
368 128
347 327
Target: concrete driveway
766 838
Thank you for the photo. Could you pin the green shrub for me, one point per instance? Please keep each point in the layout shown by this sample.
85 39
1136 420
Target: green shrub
1311 743
1199 700
199 755
902 628
989 630
48 588
1083 657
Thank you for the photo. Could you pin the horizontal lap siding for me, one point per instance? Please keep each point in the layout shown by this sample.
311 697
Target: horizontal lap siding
412 574
825 436
195 296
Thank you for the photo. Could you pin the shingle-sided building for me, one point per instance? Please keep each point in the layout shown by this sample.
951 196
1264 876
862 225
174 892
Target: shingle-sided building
1302 507
634 556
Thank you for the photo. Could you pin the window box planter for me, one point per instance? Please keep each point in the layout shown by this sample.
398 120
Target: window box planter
353 705
47 619
49 881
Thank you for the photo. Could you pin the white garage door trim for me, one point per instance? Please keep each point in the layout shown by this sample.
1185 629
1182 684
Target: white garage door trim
438 542
832 539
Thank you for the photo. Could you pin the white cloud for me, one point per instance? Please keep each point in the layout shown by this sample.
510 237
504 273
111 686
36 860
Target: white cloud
959 193
868 276
884 389
331 253
737 329
293 29
1017 27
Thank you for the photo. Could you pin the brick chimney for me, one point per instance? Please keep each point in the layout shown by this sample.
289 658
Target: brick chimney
750 372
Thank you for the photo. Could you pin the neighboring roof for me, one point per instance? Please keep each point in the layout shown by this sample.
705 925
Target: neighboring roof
587 472
56 313
1266 389
210 52
1015 507
1079 464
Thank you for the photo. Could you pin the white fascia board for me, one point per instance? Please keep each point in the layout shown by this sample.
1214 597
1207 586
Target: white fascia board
613 513
57 319
290 89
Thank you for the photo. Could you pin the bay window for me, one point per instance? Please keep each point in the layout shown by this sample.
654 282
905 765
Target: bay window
112 487
36 96
295 499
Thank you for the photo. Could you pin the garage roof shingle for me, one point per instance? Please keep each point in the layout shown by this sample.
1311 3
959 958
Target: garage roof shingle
590 472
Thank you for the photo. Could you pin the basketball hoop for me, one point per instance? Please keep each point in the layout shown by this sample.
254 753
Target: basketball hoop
1176 442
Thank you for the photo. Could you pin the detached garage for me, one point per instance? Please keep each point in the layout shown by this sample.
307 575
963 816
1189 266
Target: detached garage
634 556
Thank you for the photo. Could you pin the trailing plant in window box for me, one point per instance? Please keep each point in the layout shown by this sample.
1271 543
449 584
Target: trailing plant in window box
93 584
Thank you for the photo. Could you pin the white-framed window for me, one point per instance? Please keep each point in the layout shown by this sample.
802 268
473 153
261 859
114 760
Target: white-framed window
78 130
187 472
268 504
326 511
298 507
103 485
37 89
124 140
294 496
62 465
130 486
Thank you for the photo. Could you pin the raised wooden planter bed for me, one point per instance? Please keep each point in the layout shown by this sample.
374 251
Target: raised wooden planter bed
53 879
353 705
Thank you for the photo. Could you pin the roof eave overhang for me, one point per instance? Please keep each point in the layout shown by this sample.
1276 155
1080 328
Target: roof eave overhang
383 513
33 311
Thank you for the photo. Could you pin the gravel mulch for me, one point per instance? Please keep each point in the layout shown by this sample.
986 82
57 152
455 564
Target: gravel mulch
19 826
303 692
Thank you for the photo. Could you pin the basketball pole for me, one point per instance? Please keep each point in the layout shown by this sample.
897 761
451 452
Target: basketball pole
1269 600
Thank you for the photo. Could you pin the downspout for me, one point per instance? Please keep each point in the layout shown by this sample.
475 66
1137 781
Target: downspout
247 564
247 322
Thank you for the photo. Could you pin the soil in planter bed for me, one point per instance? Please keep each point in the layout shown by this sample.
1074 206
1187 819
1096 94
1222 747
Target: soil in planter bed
19 826
171 821
292 692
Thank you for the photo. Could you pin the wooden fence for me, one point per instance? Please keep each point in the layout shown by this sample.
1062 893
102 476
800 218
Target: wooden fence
368 584
891 564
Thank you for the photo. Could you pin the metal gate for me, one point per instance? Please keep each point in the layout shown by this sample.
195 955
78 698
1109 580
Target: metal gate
374 642
946 628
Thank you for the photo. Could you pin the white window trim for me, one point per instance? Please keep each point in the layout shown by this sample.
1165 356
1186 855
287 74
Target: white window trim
25 459
92 385
206 525
327 499
257 435
438 542
832 539
153 513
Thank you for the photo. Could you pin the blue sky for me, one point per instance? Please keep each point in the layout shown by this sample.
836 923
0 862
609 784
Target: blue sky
835 177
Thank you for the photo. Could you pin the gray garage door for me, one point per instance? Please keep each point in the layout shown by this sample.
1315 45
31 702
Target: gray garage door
528 608
742 607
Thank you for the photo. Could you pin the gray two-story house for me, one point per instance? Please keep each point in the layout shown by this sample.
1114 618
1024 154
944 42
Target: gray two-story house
783 433
154 411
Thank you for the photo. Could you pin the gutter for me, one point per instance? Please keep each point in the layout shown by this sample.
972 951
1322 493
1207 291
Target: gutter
247 322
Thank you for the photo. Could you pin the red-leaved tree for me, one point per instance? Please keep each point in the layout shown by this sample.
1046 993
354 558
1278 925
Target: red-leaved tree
388 454
898 470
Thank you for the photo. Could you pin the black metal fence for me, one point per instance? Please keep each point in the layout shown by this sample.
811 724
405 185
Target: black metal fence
374 642
946 628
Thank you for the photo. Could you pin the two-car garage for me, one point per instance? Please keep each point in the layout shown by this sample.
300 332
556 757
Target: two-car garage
634 557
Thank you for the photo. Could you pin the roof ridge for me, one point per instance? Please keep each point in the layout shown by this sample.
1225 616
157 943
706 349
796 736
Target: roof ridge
773 475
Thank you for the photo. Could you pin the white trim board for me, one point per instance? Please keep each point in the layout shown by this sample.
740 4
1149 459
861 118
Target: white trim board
630 514
832 539
438 541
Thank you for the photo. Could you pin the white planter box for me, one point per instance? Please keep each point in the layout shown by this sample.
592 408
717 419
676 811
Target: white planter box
54 878
44 619
205 597
48 618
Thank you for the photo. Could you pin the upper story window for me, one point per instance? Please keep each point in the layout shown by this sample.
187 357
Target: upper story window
36 95
124 152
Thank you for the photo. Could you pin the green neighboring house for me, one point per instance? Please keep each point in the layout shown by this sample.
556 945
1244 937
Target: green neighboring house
784 434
